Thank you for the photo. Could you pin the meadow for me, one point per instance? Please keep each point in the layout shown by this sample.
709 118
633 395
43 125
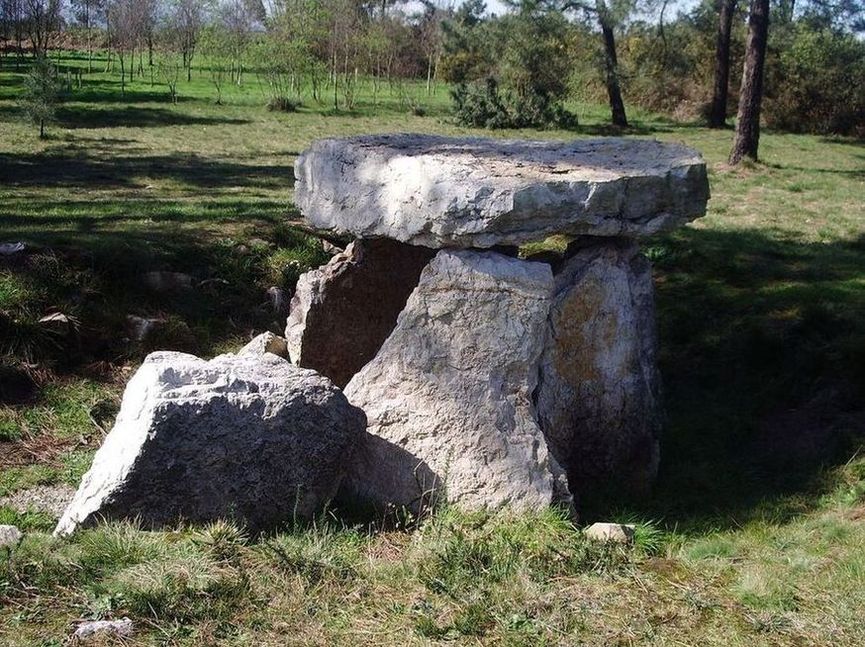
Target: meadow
754 535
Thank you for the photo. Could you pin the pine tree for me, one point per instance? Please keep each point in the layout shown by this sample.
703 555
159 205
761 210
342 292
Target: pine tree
41 93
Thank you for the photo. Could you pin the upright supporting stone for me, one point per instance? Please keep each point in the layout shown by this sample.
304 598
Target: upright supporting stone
448 397
342 312
598 399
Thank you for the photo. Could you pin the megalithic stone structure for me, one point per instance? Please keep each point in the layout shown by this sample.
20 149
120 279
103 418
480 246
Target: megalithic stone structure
498 374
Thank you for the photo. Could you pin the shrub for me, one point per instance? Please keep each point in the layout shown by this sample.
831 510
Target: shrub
818 83
511 73
282 104
479 105
41 93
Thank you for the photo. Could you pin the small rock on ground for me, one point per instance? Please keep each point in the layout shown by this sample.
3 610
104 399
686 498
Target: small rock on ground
266 342
613 532
87 630
10 536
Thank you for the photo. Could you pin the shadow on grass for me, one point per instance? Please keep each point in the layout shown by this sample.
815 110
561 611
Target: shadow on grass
90 216
635 128
847 141
96 277
117 171
763 361
854 173
135 117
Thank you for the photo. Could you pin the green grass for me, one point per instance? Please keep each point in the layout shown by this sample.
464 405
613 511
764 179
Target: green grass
755 532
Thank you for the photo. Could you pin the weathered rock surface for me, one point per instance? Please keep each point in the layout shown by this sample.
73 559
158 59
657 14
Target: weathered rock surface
473 192
617 533
598 399
248 437
266 342
94 629
342 312
10 536
448 396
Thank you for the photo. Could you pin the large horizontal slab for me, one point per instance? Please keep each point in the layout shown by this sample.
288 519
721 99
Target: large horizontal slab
474 192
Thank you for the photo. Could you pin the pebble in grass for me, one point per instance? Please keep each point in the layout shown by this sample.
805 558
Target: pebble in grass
10 537
93 629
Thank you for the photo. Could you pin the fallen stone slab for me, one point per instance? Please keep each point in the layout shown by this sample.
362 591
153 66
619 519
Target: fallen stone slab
10 536
94 629
610 532
245 437
342 312
474 192
598 399
448 397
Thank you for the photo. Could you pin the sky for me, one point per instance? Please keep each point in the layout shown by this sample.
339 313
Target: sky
497 6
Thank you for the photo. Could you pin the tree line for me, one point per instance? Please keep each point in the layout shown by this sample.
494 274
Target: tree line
523 68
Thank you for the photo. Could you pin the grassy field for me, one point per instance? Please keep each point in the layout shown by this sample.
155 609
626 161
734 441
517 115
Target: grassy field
755 534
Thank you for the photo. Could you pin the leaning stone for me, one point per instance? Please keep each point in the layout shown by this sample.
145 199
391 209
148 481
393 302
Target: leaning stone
599 394
448 396
266 342
342 312
472 192
10 537
251 438
610 532
101 628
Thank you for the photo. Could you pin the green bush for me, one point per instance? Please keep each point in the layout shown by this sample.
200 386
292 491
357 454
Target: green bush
817 84
282 104
511 73
41 94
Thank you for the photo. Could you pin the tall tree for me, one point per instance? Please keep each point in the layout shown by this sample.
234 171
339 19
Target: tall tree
609 14
43 18
188 19
751 93
13 25
718 114
430 32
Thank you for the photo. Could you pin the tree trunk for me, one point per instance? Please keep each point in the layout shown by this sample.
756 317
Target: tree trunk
41 129
718 115
751 94
611 65
122 74
89 43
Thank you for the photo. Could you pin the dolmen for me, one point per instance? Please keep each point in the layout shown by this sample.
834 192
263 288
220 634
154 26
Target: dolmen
490 377
435 359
